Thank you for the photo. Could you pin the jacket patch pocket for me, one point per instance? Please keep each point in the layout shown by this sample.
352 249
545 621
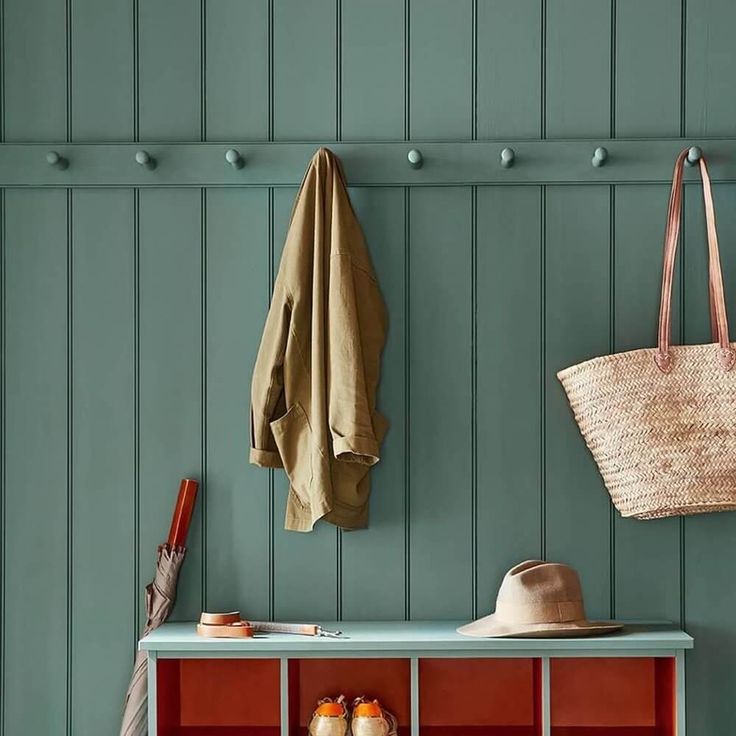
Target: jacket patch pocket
293 437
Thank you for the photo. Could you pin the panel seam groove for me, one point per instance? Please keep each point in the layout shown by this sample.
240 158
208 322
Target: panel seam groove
68 61
407 70
2 81
611 349
271 479
203 70
338 71
683 66
203 397
474 71
136 407
683 570
338 136
270 74
612 57
136 70
69 459
393 178
543 371
338 574
543 72
474 396
407 406
3 512
203 302
683 520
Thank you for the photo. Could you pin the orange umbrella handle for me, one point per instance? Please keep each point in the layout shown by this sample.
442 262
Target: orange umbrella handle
183 513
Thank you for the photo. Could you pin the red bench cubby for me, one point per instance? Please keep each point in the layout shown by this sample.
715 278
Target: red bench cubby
622 696
218 697
388 680
480 697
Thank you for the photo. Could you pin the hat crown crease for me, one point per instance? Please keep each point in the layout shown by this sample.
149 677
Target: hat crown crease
540 592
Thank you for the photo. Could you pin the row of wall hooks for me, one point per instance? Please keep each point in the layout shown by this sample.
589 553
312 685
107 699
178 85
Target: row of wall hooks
414 157
508 157
240 163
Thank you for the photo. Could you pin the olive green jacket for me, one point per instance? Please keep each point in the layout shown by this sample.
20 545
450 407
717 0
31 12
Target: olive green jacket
314 384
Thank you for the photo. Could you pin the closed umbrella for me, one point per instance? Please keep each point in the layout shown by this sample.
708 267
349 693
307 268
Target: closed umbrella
160 597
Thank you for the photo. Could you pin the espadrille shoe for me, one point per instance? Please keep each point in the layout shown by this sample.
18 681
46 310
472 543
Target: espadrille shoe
370 719
330 718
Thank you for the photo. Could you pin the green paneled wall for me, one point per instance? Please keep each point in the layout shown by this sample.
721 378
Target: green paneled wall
130 322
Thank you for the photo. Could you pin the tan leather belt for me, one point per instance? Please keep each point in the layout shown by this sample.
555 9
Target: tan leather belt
226 625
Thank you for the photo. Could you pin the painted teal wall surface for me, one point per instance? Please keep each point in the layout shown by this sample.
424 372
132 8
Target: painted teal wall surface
131 321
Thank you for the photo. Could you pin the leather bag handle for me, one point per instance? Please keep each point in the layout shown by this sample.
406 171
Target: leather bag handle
719 319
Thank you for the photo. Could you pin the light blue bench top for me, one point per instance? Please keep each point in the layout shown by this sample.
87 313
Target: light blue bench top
417 638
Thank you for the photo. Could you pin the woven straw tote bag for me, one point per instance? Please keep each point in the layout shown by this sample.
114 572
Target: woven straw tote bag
661 423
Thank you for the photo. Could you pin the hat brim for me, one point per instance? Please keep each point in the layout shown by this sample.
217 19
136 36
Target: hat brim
490 626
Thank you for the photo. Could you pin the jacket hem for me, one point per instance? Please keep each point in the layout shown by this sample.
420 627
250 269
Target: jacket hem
347 516
348 520
265 458
301 518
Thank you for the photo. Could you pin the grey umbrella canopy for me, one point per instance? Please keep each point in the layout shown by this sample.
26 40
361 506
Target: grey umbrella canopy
160 597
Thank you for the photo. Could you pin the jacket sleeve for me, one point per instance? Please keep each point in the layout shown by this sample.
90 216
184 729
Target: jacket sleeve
267 388
355 326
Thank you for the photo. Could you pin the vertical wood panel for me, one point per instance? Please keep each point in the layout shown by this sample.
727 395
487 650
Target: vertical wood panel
170 378
169 70
509 64
509 383
709 538
34 57
647 554
305 49
440 69
103 391
577 314
647 68
36 463
710 58
305 565
102 70
374 560
237 70
372 62
441 571
578 64
238 538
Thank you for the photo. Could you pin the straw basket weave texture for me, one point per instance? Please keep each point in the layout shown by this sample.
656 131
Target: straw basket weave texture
661 423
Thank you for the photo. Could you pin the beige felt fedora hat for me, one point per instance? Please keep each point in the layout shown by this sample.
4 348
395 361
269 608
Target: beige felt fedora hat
539 599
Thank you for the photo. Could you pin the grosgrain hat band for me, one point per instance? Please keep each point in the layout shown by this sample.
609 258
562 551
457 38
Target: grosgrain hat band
540 612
